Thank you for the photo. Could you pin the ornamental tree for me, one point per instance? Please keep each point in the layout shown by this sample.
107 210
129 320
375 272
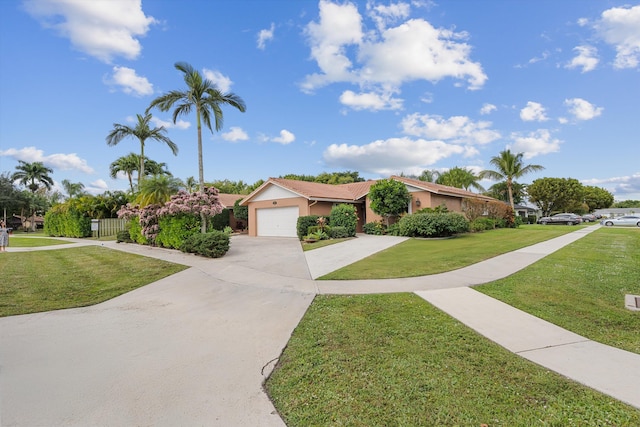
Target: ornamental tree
389 198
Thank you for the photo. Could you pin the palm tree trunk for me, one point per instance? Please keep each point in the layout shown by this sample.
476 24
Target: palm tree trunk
203 218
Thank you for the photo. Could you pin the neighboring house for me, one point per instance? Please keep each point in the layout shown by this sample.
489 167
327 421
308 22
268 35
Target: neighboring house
228 200
275 206
524 211
19 222
616 212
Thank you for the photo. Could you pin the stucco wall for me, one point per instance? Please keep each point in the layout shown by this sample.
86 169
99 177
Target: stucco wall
301 202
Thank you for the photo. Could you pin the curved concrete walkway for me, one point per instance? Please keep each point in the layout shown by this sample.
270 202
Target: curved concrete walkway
195 348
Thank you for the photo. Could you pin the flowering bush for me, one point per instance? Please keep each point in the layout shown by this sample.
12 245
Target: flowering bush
196 204
344 215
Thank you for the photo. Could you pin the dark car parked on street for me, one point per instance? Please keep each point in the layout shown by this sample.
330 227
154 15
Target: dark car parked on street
561 218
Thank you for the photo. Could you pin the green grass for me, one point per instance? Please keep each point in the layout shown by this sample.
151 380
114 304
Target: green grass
395 360
73 277
419 257
322 243
32 242
582 287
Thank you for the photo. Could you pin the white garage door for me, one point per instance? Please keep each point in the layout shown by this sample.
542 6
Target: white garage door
279 222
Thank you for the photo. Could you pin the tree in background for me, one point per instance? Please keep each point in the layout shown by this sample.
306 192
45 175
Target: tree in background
203 96
73 189
235 187
346 177
34 176
142 131
557 195
128 165
500 191
460 178
389 198
429 175
597 198
508 167
157 190
627 204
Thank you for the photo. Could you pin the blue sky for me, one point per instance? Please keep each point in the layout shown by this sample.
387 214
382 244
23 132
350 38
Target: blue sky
377 87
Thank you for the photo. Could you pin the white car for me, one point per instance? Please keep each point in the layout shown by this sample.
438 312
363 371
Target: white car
630 220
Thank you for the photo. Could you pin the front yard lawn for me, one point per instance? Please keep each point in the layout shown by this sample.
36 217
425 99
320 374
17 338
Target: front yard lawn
582 287
421 257
395 360
74 277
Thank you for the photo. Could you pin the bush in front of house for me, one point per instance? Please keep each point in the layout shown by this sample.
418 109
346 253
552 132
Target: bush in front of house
482 224
175 229
339 232
213 244
303 224
375 228
433 224
344 215
220 221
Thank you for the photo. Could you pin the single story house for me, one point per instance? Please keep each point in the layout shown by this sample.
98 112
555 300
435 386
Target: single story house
275 206
524 211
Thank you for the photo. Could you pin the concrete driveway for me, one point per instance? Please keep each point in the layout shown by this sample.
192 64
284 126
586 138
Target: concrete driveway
192 349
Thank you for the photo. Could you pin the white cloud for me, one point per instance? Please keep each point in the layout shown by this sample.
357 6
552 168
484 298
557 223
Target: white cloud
388 57
265 35
533 112
456 129
129 82
586 59
535 143
103 29
220 80
285 137
487 109
622 187
235 134
180 124
98 186
370 101
620 27
581 109
54 161
389 156
384 15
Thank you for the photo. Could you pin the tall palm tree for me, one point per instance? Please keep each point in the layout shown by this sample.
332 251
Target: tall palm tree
509 167
128 165
460 178
203 96
33 175
142 131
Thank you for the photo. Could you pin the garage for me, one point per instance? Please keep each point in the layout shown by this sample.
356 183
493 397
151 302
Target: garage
277 222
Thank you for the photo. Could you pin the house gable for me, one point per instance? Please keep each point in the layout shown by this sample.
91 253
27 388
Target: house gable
274 192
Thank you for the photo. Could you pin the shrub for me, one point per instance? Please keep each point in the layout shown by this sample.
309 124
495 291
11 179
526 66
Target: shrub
339 232
433 225
303 224
66 223
214 244
123 236
344 215
482 224
135 231
532 219
175 229
318 235
375 228
221 220
394 229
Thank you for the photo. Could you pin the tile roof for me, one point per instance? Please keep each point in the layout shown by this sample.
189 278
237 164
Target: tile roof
228 200
355 190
